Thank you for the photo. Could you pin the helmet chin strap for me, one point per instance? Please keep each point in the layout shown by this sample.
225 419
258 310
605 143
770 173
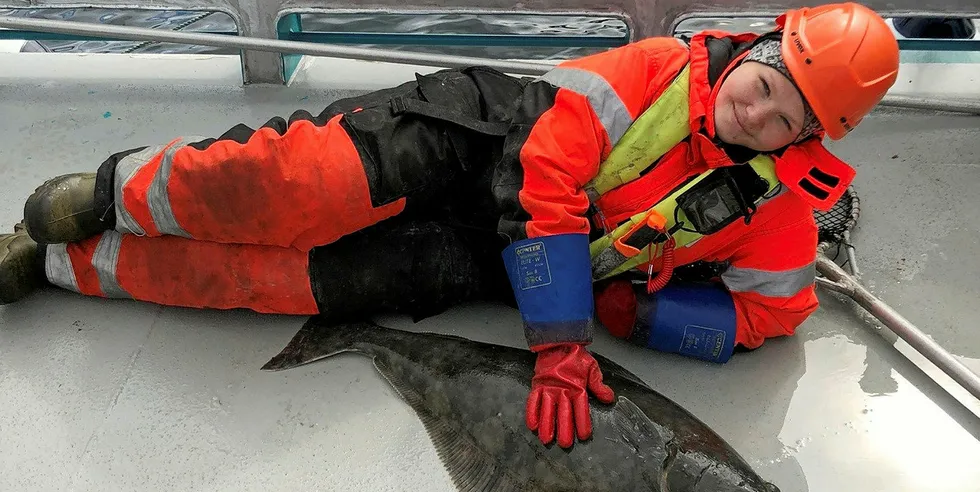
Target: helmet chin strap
709 117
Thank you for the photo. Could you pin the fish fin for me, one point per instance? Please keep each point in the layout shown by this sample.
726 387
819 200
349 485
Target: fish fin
640 433
632 423
471 469
317 340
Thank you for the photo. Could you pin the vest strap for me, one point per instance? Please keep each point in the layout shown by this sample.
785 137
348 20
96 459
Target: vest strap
629 245
403 105
661 126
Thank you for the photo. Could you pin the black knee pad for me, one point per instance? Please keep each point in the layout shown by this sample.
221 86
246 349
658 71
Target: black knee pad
419 269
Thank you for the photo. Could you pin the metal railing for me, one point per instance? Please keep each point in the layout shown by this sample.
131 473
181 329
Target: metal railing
278 47
85 29
262 19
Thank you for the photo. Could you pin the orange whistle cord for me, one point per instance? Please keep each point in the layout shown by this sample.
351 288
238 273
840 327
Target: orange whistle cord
666 269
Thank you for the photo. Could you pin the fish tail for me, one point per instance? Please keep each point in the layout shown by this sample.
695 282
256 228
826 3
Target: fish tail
317 340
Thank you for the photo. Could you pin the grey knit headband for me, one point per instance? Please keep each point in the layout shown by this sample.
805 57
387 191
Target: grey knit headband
768 53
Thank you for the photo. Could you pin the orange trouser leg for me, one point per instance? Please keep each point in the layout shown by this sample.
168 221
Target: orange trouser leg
177 271
300 189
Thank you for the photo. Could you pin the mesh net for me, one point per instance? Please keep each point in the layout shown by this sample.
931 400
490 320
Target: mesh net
841 218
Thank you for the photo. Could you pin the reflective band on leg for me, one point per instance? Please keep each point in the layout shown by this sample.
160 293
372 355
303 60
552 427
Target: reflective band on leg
105 260
785 283
125 170
157 197
58 269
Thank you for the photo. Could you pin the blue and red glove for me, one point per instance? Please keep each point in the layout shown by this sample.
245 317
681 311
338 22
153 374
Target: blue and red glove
552 281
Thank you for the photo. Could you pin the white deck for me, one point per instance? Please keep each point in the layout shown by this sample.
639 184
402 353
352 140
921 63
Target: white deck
118 395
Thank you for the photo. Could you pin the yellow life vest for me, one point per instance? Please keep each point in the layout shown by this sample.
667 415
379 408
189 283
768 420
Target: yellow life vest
662 126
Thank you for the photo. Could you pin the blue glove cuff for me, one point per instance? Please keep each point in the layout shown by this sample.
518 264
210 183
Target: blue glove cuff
552 281
696 320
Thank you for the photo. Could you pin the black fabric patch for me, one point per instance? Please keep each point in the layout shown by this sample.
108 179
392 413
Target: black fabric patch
417 268
241 132
105 186
508 176
451 138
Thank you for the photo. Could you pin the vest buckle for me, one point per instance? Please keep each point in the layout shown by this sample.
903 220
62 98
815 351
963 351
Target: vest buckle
650 229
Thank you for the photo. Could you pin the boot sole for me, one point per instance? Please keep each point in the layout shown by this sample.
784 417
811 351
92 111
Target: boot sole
19 279
39 205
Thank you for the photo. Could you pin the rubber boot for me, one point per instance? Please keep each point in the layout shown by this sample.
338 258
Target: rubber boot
62 210
21 267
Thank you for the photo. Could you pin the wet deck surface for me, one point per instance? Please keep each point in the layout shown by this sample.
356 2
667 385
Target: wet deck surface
121 395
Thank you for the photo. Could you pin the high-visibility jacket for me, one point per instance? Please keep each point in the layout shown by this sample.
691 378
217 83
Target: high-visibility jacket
568 123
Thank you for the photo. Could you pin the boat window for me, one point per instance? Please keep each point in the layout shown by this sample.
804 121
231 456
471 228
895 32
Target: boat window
528 36
198 21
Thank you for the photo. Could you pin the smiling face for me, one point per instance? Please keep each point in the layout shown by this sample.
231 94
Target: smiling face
759 108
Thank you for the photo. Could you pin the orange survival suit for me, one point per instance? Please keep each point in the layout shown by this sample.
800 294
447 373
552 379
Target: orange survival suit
471 149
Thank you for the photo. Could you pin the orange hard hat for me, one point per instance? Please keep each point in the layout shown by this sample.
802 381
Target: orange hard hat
843 58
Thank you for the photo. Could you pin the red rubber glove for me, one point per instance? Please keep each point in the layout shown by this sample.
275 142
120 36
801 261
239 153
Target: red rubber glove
562 373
